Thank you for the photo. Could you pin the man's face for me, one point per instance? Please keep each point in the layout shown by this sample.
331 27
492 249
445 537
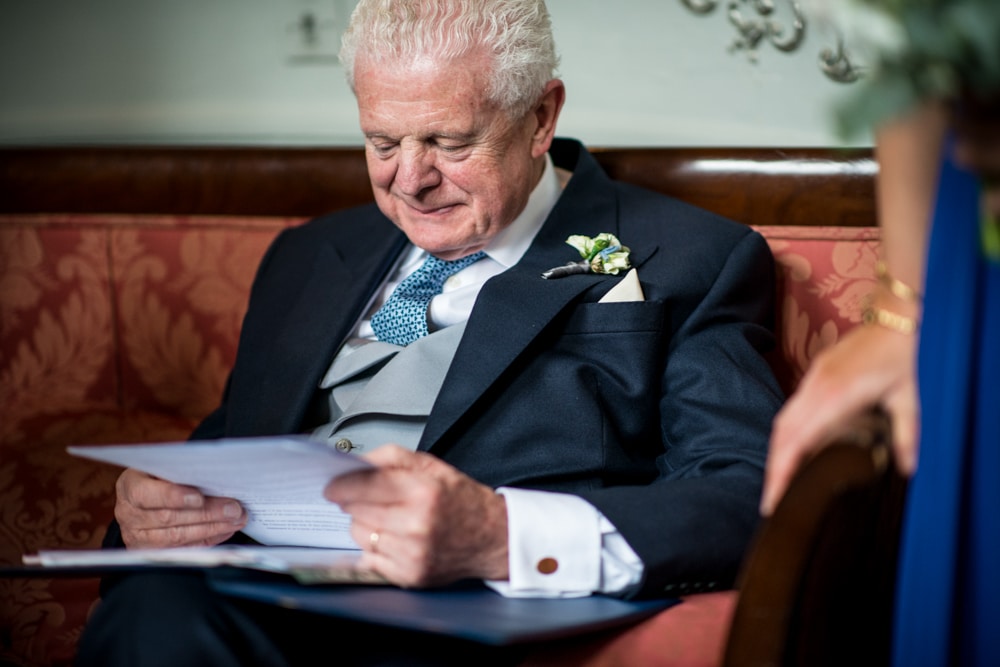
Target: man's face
450 169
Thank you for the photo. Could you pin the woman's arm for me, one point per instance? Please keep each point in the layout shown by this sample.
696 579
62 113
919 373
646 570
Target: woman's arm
873 365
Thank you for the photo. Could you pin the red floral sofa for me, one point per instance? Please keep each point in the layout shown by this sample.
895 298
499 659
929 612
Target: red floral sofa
124 275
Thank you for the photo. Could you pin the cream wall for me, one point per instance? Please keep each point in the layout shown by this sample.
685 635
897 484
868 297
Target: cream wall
638 72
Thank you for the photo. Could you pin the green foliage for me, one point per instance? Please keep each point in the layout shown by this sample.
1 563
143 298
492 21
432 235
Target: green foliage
926 49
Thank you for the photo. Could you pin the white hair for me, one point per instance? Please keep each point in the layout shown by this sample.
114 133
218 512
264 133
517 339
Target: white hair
517 34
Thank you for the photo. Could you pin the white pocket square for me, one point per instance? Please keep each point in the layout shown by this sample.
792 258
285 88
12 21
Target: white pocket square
628 289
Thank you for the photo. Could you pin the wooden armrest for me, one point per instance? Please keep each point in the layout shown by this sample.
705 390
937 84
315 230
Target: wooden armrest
817 586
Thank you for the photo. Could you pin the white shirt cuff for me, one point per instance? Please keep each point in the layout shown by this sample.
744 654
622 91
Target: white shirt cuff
559 545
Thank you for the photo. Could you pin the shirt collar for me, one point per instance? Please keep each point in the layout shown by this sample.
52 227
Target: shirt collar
512 242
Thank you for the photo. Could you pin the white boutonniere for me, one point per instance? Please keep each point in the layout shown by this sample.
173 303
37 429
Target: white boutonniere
603 253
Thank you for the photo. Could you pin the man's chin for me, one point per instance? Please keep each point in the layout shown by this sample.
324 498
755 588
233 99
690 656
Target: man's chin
444 247
447 254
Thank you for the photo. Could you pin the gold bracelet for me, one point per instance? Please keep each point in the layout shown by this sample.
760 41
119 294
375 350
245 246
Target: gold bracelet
897 287
890 320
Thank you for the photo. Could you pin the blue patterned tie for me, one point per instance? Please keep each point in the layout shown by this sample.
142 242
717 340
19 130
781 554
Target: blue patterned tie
402 319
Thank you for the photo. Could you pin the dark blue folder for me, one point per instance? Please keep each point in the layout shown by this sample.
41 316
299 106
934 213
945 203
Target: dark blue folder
469 611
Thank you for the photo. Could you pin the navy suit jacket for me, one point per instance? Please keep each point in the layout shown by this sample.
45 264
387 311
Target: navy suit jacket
657 412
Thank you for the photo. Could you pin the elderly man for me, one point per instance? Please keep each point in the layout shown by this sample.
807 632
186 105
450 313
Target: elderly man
600 432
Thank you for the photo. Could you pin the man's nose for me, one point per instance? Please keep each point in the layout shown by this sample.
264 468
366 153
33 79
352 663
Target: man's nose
416 171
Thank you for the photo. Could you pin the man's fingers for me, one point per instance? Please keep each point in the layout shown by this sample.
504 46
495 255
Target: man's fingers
400 501
156 513
205 534
174 528
230 512
390 455
168 504
147 492
216 510
390 482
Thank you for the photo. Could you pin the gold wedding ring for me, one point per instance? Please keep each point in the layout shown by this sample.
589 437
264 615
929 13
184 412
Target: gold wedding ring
373 541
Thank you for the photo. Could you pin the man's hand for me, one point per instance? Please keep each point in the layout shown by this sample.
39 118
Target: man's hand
153 513
432 524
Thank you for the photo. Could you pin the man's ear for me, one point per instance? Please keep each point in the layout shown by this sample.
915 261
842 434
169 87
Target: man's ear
546 113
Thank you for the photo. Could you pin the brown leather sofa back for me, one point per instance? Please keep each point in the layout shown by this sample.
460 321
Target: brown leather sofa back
756 186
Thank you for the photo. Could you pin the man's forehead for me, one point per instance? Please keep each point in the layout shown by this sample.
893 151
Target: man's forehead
425 105
426 119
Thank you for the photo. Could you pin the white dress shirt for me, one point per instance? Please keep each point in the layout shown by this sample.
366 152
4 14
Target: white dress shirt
559 544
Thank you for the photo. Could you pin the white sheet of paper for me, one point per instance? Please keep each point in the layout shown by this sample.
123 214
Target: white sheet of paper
276 559
279 480
308 564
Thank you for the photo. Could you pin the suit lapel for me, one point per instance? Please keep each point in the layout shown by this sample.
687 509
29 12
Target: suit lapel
276 386
336 288
518 305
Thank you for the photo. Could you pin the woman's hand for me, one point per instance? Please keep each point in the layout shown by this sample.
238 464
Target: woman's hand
872 365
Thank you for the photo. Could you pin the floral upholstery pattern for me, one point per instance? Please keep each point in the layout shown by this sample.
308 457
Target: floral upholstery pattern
113 329
824 276
122 328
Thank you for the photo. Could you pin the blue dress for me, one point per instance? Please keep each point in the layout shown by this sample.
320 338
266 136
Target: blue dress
948 590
